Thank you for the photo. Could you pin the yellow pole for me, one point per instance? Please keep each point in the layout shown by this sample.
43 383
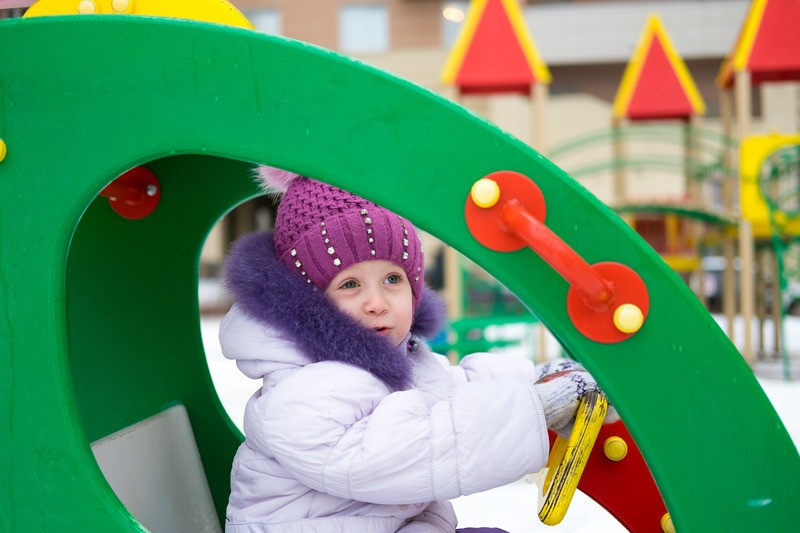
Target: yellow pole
620 178
747 294
728 246
539 95
746 289
761 304
777 302
729 282
672 228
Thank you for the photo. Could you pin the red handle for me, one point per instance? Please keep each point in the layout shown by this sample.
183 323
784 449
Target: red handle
607 301
595 291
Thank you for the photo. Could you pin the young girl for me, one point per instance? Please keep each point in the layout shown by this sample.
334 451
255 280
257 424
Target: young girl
357 426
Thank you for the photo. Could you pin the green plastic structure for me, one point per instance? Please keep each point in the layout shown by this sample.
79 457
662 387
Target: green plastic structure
99 321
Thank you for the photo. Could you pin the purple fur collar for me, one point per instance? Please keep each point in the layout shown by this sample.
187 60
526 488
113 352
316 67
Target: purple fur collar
272 295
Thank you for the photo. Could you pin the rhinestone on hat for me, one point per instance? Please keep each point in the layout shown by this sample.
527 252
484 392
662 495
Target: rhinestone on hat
405 240
298 263
294 252
331 250
370 240
337 261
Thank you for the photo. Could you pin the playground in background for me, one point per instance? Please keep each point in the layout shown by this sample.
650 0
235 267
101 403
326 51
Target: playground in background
677 182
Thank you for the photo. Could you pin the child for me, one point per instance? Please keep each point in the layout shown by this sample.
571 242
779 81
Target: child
357 426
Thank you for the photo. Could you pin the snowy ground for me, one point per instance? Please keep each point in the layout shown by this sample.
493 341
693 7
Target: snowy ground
513 507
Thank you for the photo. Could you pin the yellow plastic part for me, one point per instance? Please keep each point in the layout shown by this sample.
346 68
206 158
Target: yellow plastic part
568 459
123 7
218 11
666 524
3 150
628 318
754 151
615 448
87 7
682 263
485 193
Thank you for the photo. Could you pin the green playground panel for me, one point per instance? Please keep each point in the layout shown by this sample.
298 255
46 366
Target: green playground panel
99 325
468 334
695 214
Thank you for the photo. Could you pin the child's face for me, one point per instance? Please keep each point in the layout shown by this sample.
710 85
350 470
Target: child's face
377 295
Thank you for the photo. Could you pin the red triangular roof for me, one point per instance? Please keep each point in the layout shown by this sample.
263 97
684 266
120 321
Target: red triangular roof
656 83
494 52
768 45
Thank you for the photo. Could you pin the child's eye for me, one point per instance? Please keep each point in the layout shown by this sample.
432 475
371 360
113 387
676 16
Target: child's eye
393 278
349 284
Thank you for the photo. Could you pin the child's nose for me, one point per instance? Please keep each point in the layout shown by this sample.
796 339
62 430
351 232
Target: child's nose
375 303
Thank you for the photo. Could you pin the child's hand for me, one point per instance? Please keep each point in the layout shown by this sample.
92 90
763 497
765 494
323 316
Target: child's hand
561 393
555 366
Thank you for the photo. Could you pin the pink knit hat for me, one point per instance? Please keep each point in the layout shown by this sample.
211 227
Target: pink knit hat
321 230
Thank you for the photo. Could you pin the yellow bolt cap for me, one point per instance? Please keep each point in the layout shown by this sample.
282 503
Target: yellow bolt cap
666 524
485 193
87 7
122 6
615 448
628 318
3 150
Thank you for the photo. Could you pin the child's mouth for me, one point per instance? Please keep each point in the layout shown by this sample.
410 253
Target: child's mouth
382 331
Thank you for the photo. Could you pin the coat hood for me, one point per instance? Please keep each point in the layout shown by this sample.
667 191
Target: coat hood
269 294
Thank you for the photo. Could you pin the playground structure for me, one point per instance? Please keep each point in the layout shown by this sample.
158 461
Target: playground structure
674 180
494 54
737 206
100 333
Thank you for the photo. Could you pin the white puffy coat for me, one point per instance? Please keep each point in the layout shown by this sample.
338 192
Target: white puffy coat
330 448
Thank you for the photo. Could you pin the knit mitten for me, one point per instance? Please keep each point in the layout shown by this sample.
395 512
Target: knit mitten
556 365
561 393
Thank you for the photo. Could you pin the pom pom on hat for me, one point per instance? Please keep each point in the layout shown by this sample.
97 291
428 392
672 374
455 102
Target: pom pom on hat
320 230
274 180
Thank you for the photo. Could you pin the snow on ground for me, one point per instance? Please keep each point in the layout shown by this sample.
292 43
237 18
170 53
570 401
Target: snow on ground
513 507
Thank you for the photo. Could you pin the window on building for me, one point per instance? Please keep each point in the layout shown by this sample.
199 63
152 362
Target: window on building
266 20
12 13
364 28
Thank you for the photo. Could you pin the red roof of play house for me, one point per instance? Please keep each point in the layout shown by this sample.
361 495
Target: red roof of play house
768 45
494 52
656 83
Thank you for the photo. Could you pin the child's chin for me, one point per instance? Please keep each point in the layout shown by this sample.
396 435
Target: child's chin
388 335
